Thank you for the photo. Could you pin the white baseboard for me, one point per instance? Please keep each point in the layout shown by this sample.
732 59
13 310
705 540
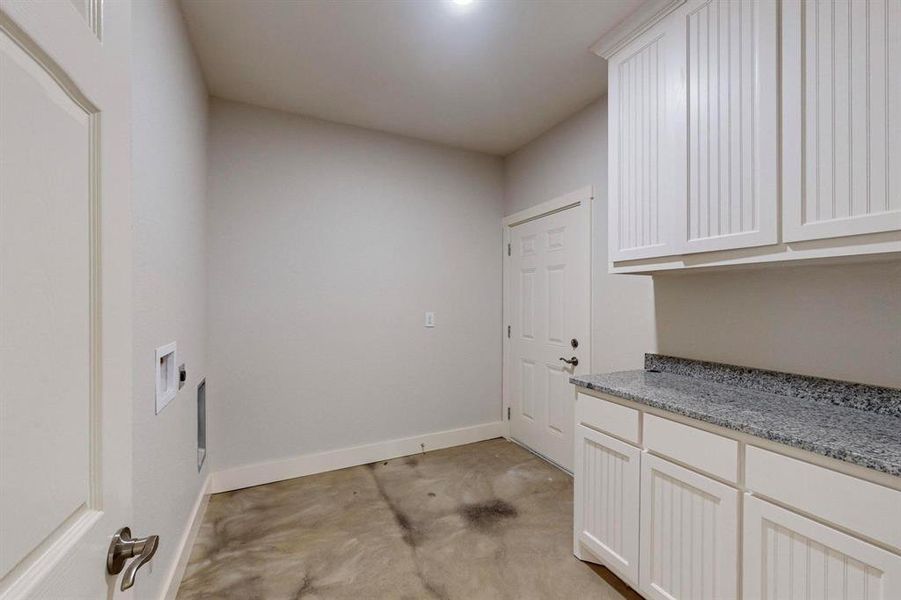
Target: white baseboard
186 543
309 464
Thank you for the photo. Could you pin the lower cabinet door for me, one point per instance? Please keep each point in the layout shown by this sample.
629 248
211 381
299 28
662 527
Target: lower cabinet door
790 556
606 502
689 534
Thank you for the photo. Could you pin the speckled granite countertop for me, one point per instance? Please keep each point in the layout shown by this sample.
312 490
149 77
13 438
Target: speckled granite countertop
851 422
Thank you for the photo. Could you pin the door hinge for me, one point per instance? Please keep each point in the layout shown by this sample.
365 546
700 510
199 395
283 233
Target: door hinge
508 249
508 332
508 413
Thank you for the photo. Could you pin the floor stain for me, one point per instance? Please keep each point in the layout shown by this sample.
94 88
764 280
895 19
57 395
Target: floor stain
437 591
485 515
409 533
499 528
306 588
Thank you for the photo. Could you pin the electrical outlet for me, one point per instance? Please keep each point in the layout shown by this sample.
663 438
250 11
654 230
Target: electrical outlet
430 319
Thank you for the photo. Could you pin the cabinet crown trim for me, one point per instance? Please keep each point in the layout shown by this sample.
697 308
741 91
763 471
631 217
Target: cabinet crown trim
642 19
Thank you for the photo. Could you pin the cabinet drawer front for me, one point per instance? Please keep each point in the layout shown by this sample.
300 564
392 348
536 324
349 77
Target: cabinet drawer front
616 419
789 556
866 508
702 450
689 534
606 500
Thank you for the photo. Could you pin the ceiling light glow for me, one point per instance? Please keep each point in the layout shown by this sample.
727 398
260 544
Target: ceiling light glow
462 2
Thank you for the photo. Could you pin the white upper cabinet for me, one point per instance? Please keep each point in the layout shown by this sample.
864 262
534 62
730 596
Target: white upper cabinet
729 92
693 132
643 145
725 151
841 81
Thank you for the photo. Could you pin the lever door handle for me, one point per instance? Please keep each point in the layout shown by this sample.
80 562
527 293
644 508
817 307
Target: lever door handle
124 547
571 361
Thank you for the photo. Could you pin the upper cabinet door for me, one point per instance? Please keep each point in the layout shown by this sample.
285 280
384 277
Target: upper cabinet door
841 117
730 119
642 146
694 132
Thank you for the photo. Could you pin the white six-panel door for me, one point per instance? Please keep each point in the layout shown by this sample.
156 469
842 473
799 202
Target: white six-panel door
65 295
548 287
689 534
606 500
788 556
841 86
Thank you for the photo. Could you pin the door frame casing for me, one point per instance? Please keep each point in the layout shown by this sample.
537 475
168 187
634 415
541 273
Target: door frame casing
579 199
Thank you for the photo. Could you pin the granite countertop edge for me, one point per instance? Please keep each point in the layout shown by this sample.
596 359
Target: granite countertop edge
871 460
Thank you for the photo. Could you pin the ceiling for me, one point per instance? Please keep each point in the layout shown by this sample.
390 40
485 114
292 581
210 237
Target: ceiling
489 76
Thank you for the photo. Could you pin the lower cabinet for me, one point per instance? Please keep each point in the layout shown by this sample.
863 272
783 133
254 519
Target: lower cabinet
689 534
789 556
672 532
606 501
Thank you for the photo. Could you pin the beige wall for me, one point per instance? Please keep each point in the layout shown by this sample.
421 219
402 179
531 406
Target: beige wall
169 195
571 155
169 189
841 322
327 245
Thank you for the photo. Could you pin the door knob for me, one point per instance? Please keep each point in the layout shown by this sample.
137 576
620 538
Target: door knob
124 547
571 361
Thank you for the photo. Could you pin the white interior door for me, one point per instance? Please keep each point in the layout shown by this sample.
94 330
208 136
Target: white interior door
65 295
547 307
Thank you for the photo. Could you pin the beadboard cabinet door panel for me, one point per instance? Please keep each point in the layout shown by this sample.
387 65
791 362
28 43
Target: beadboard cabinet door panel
643 176
731 131
789 556
607 476
689 534
841 115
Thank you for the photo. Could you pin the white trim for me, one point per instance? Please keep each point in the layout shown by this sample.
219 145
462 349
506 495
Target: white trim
642 19
574 198
186 543
852 249
309 464
505 341
581 198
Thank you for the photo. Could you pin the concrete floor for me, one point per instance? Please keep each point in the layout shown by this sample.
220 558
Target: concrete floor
487 520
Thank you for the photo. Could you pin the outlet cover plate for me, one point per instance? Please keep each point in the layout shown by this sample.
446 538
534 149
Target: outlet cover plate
166 375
